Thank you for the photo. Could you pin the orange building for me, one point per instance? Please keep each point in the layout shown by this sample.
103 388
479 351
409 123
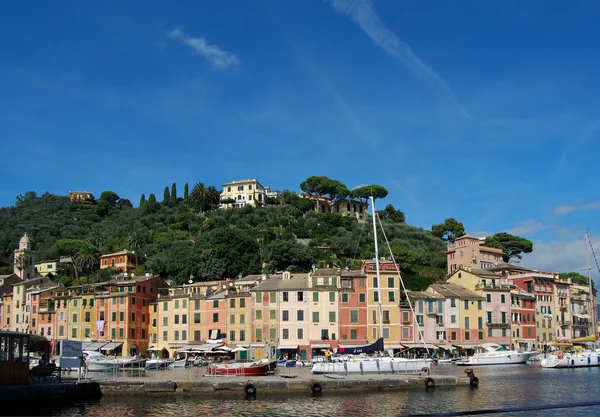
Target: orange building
124 260
123 313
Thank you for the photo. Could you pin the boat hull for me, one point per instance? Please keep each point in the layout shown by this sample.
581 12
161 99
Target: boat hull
240 369
513 358
584 360
374 366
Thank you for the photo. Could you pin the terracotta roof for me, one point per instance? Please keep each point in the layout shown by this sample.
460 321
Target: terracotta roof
508 267
423 295
455 290
277 283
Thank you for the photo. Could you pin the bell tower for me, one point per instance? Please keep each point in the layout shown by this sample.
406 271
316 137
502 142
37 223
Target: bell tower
25 259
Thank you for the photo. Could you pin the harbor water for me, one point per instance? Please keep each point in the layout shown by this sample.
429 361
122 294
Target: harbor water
501 387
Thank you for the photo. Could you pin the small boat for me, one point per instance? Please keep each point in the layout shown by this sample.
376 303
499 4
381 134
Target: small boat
159 363
97 362
495 354
239 369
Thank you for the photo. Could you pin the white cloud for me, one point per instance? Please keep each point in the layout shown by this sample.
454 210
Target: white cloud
557 256
363 13
217 57
568 208
528 227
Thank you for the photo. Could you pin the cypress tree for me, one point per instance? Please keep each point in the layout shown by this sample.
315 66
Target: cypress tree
186 191
174 193
167 195
152 199
142 200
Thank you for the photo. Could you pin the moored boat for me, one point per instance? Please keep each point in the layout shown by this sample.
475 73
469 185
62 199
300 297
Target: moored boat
239 368
572 355
495 354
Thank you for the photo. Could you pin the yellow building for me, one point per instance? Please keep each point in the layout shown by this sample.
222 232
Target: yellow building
468 309
249 192
47 267
81 197
383 302
496 290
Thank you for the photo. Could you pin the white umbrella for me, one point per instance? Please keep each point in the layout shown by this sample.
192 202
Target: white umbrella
239 349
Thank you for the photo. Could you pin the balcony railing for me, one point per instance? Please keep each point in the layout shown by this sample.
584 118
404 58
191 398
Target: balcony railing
564 323
497 324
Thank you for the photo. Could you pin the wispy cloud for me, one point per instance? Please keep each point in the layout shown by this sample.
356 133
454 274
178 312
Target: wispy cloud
217 57
568 208
528 227
363 13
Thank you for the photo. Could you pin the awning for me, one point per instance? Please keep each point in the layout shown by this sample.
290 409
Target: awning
93 346
466 346
420 345
289 347
582 316
320 345
111 346
206 347
393 346
253 345
446 347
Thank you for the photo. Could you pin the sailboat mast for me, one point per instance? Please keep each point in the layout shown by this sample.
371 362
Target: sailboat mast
591 297
377 266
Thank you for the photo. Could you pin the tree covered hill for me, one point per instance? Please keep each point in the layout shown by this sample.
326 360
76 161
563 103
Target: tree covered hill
188 236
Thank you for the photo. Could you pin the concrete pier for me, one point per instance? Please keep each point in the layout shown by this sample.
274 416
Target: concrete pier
48 393
301 382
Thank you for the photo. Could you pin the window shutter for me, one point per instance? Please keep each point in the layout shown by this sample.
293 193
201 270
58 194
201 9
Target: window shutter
295 296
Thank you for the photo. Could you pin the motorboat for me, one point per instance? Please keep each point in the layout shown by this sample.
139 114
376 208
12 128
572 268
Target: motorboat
97 362
157 363
495 354
239 368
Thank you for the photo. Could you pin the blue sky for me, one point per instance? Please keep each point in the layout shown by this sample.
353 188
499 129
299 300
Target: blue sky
486 111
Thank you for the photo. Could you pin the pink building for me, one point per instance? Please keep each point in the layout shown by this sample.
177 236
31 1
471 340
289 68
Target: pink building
468 251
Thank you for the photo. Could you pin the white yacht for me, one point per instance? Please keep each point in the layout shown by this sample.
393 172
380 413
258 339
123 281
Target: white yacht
495 354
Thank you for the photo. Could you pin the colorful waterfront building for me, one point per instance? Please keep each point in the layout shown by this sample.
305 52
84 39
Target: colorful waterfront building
281 304
6 296
562 308
123 313
495 289
43 310
541 284
383 298
581 310
323 290
429 310
522 308
467 309
352 320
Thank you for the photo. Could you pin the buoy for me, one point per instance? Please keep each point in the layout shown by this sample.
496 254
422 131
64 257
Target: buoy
474 381
249 389
316 388
429 383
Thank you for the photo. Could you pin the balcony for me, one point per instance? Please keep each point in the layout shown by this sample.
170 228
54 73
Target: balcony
564 308
498 325
432 313
493 287
564 323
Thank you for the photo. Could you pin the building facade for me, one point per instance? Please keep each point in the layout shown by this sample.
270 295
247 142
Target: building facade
469 251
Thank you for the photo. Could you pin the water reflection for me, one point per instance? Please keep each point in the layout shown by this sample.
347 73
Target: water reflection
500 387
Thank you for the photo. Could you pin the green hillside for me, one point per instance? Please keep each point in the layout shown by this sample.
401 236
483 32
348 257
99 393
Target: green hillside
189 236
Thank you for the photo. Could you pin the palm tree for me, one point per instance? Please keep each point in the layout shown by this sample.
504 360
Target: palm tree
88 259
135 241
212 196
198 194
97 238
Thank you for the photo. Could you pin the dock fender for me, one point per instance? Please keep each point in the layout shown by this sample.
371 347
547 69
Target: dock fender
474 381
316 388
429 383
249 389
